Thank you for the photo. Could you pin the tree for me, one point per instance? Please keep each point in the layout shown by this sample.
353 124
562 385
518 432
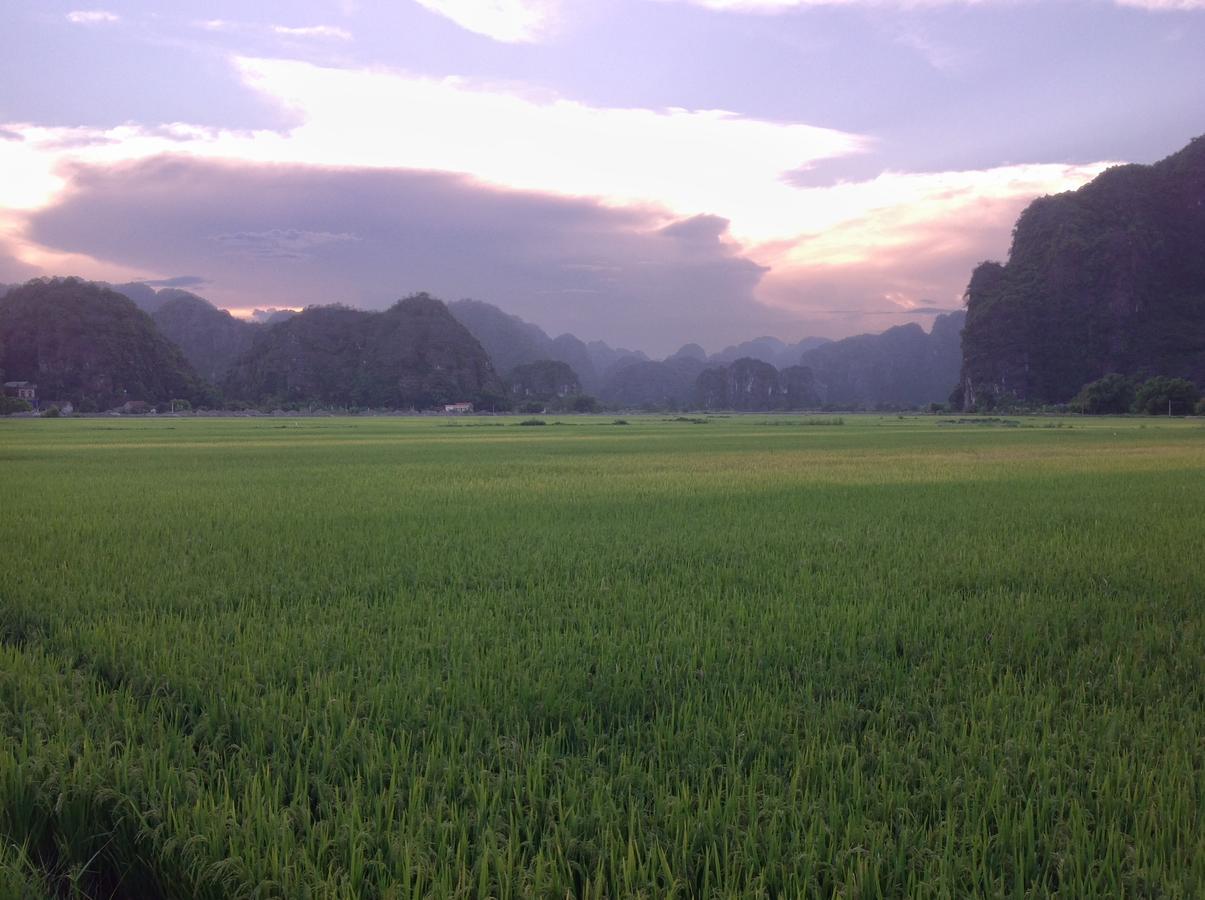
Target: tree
544 379
1113 394
1161 395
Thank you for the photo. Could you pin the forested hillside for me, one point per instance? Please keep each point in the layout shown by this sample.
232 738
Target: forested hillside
1106 279
82 342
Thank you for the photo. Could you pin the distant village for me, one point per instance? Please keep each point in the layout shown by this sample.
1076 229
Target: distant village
26 392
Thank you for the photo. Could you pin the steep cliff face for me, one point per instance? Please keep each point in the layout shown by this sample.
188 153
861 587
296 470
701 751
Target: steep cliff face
1108 278
83 342
412 355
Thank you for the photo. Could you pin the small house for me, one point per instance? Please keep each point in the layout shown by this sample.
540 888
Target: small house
22 390
458 407
135 407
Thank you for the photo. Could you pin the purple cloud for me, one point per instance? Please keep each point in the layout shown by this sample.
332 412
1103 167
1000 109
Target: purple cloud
367 237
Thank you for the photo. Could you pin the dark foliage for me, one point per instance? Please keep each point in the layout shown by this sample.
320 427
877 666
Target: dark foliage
1111 395
83 342
211 339
543 380
413 355
1106 279
1166 396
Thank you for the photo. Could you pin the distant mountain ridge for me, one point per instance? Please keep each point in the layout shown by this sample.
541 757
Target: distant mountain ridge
770 350
510 341
1107 278
901 367
752 385
421 353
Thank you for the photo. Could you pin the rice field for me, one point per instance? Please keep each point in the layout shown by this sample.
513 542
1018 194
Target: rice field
736 657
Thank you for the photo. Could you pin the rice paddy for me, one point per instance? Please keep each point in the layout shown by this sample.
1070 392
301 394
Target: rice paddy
337 658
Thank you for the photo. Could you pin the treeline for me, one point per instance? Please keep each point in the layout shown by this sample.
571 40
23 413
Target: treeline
1117 394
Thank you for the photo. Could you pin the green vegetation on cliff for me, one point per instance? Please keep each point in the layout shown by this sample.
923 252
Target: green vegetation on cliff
83 342
413 354
1106 279
210 338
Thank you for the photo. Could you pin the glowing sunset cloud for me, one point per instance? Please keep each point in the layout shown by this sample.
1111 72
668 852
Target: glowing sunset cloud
511 21
682 162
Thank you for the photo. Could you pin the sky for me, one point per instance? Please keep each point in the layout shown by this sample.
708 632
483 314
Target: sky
645 172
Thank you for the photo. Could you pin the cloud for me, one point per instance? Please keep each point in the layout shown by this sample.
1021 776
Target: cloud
508 21
280 243
331 32
93 17
12 269
368 237
1163 5
926 310
692 161
779 6
316 31
177 281
913 256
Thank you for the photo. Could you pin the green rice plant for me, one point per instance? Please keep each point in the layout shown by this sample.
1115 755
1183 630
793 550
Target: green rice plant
379 657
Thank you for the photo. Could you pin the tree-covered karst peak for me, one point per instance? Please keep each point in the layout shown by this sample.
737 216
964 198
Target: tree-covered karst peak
211 338
84 342
543 379
1109 278
412 355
